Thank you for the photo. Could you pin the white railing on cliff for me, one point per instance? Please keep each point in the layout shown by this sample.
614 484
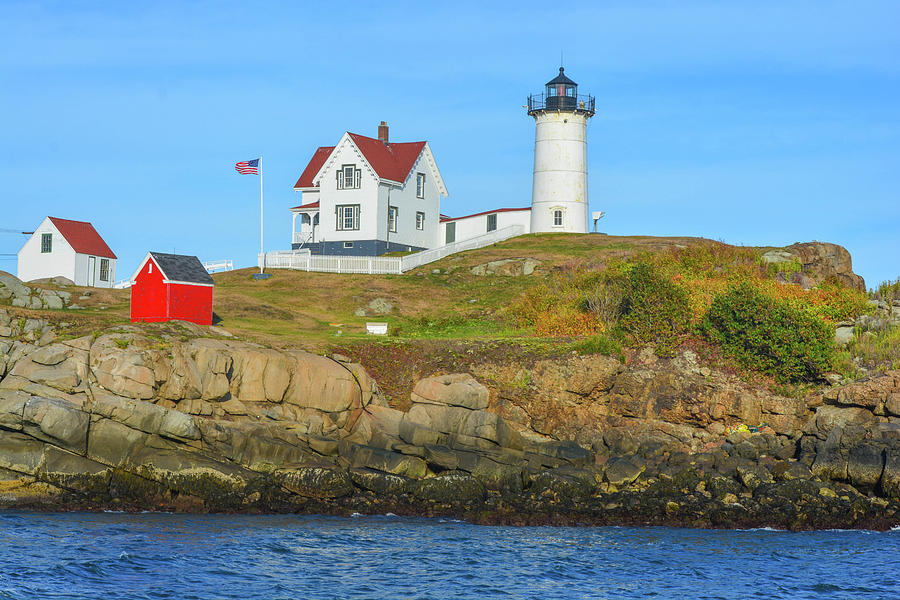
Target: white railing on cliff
214 266
380 265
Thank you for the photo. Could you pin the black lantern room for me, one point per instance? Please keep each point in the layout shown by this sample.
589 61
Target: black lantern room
561 93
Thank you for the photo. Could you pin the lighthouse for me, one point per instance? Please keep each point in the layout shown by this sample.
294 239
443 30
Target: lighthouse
559 195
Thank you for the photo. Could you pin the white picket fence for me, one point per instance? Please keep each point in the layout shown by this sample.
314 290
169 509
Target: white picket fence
380 265
213 266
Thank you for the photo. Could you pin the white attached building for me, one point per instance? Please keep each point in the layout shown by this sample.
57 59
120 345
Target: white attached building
367 196
71 249
457 229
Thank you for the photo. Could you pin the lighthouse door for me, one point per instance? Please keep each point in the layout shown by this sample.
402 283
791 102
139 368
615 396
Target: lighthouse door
451 233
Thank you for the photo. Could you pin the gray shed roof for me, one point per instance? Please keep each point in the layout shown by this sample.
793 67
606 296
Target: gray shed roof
178 267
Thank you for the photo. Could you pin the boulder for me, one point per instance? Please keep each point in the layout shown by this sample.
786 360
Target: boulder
843 333
56 421
622 471
451 390
497 476
441 456
122 367
865 464
113 443
11 287
12 409
384 484
890 478
62 366
380 306
821 260
450 487
563 483
508 267
828 417
145 416
378 459
752 476
774 257
20 453
317 482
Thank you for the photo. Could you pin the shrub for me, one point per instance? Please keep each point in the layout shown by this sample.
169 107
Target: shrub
600 344
887 291
768 334
653 308
604 299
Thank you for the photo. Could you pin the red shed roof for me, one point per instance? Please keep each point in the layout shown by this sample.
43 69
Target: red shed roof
445 218
315 163
391 161
82 236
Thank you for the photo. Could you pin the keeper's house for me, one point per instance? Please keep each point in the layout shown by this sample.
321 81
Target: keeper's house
171 286
70 249
367 196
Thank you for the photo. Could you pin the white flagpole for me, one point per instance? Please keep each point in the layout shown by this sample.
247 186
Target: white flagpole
262 260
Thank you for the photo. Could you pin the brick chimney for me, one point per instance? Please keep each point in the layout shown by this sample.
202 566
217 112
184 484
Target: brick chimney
383 132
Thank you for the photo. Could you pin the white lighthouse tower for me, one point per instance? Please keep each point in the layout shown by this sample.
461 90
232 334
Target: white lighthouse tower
559 196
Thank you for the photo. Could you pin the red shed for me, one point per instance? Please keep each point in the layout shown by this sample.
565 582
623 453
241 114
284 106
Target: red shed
171 286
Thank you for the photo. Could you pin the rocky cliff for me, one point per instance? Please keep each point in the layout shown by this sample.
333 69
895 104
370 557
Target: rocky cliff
179 418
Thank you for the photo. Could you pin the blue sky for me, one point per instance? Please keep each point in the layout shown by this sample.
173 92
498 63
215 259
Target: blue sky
757 123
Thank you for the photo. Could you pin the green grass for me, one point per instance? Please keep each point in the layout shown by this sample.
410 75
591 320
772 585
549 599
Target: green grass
876 352
600 344
454 327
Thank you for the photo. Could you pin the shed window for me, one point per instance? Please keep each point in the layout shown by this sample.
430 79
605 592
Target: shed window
492 222
104 269
347 217
46 243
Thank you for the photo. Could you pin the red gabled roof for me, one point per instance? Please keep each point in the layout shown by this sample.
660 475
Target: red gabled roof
310 205
391 161
445 218
82 236
315 163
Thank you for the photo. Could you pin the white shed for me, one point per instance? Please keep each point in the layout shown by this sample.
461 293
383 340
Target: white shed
71 249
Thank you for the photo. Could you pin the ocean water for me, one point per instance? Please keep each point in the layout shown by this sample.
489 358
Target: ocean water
111 556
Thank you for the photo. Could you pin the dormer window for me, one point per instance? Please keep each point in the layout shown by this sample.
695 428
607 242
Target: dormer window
348 177
420 185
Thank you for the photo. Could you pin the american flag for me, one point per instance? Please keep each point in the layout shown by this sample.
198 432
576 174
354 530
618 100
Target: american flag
247 167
